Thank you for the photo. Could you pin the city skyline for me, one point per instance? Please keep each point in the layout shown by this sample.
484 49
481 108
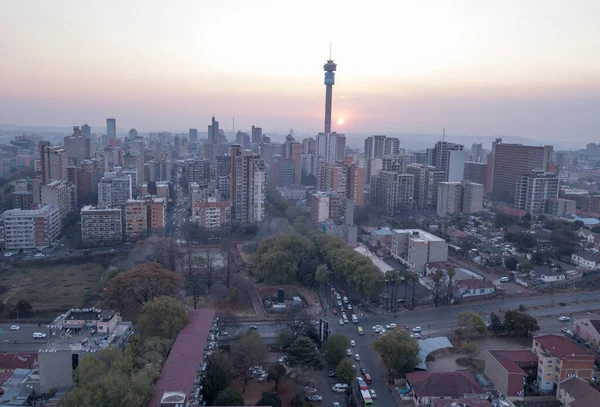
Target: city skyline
476 68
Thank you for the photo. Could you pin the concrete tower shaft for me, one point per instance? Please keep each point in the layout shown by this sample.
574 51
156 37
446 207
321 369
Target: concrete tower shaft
329 69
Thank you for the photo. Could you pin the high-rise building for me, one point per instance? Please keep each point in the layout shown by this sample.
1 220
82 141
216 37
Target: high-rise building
209 211
391 146
86 130
292 150
101 226
341 147
477 152
157 213
31 229
193 135
62 195
213 143
329 69
111 128
133 133
310 164
534 190
257 135
198 171
459 197
509 161
114 190
243 139
78 146
136 219
327 147
309 146
53 162
345 179
248 186
393 193
375 146
450 158
476 172
427 180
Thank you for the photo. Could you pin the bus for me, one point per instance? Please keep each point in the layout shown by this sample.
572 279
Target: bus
365 398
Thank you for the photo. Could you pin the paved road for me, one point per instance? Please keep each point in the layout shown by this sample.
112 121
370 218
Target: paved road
24 337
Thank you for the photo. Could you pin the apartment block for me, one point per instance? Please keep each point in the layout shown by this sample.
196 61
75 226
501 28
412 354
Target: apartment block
561 207
534 190
248 186
209 211
459 197
319 207
136 219
475 172
31 229
393 193
53 162
101 226
62 195
427 180
114 189
415 248
157 213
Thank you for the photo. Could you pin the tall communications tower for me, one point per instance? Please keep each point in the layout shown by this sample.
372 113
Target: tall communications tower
329 69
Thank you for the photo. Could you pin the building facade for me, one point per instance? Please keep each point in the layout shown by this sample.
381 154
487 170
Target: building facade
136 219
31 229
415 248
534 190
101 226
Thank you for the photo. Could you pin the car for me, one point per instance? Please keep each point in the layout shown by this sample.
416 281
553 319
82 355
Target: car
416 336
15 327
344 314
376 327
348 352
331 373
357 357
39 335
282 359
417 329
346 321
349 306
352 343
564 319
565 330
354 319
339 303
363 371
504 280
314 397
373 393
336 404
224 333
334 312
391 326
253 327
263 377
309 389
341 322
345 300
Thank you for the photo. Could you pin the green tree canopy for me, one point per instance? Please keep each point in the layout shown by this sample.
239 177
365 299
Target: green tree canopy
277 375
399 351
468 324
217 377
322 274
471 349
519 324
162 317
511 263
345 372
303 352
229 397
269 399
496 325
334 349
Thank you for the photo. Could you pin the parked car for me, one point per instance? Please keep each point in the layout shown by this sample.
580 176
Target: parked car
314 397
373 393
262 377
348 352
15 327
417 329
282 359
504 280
352 343
363 371
253 327
309 389
390 326
357 357
564 318
341 322
331 373
416 336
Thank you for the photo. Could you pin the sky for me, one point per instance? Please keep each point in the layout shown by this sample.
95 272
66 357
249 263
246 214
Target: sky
476 67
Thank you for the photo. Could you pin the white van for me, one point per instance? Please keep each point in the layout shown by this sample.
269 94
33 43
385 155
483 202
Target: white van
339 387
38 335
354 319
504 280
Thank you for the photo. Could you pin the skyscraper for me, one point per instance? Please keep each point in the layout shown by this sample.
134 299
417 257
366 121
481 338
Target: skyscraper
459 197
450 158
211 148
329 69
111 128
292 150
86 130
193 135
248 187
534 190
77 145
53 162
256 135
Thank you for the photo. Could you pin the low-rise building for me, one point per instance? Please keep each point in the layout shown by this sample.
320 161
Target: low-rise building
101 226
508 370
561 207
588 330
587 260
294 191
31 229
136 219
415 248
545 274
74 336
559 358
575 392
428 386
475 287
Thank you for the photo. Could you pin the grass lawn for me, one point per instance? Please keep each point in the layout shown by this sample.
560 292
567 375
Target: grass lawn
53 288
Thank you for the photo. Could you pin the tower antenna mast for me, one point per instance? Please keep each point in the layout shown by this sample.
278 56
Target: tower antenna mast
330 51
444 134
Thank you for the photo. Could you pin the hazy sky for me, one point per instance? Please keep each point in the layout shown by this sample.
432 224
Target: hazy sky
512 67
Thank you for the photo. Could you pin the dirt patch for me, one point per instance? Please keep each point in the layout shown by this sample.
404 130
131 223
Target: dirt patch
474 365
255 389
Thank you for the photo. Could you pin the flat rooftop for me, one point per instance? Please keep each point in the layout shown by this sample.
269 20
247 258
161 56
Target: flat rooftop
418 234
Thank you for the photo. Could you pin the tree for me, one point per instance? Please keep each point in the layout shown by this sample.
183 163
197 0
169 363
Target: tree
285 338
437 277
229 397
277 375
192 275
303 352
526 266
496 325
217 377
143 283
519 324
471 349
322 274
468 324
230 267
399 351
334 349
450 294
345 372
296 320
227 321
511 263
209 271
24 308
269 399
162 317
247 351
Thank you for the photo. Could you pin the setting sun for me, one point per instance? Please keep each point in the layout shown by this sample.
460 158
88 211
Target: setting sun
341 120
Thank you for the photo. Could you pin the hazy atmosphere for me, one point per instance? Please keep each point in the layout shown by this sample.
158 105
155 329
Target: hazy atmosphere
479 68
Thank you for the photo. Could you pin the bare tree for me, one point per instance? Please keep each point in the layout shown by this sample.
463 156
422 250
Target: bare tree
209 271
192 275
247 351
296 320
229 263
227 321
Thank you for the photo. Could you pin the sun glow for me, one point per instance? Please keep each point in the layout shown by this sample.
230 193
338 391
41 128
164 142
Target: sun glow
341 120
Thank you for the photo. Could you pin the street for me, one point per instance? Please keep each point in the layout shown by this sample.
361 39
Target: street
24 337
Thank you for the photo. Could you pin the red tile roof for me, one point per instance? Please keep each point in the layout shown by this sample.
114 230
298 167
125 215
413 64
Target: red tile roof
443 384
562 347
475 283
4 376
450 231
510 359
12 361
180 369
584 394
466 402
507 210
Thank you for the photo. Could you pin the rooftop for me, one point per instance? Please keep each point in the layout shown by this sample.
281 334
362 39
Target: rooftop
475 283
381 265
77 330
443 384
11 361
461 402
587 255
511 360
459 234
180 369
584 394
545 271
507 210
419 235
561 347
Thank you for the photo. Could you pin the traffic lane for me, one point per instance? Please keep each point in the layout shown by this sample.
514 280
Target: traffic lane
367 360
24 334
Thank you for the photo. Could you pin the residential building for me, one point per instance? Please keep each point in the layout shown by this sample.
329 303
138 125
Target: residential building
198 171
574 392
545 274
62 195
243 139
391 146
476 155
114 189
427 180
450 158
310 164
136 219
101 226
22 200
319 207
193 135
53 162
534 190
309 146
475 172
157 214
375 147
415 248
248 186
508 369
77 145
508 161
209 211
560 358
74 336
180 379
474 287
393 193
588 330
561 207
293 192
292 150
428 386
31 229
587 260
459 197
257 135
327 147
